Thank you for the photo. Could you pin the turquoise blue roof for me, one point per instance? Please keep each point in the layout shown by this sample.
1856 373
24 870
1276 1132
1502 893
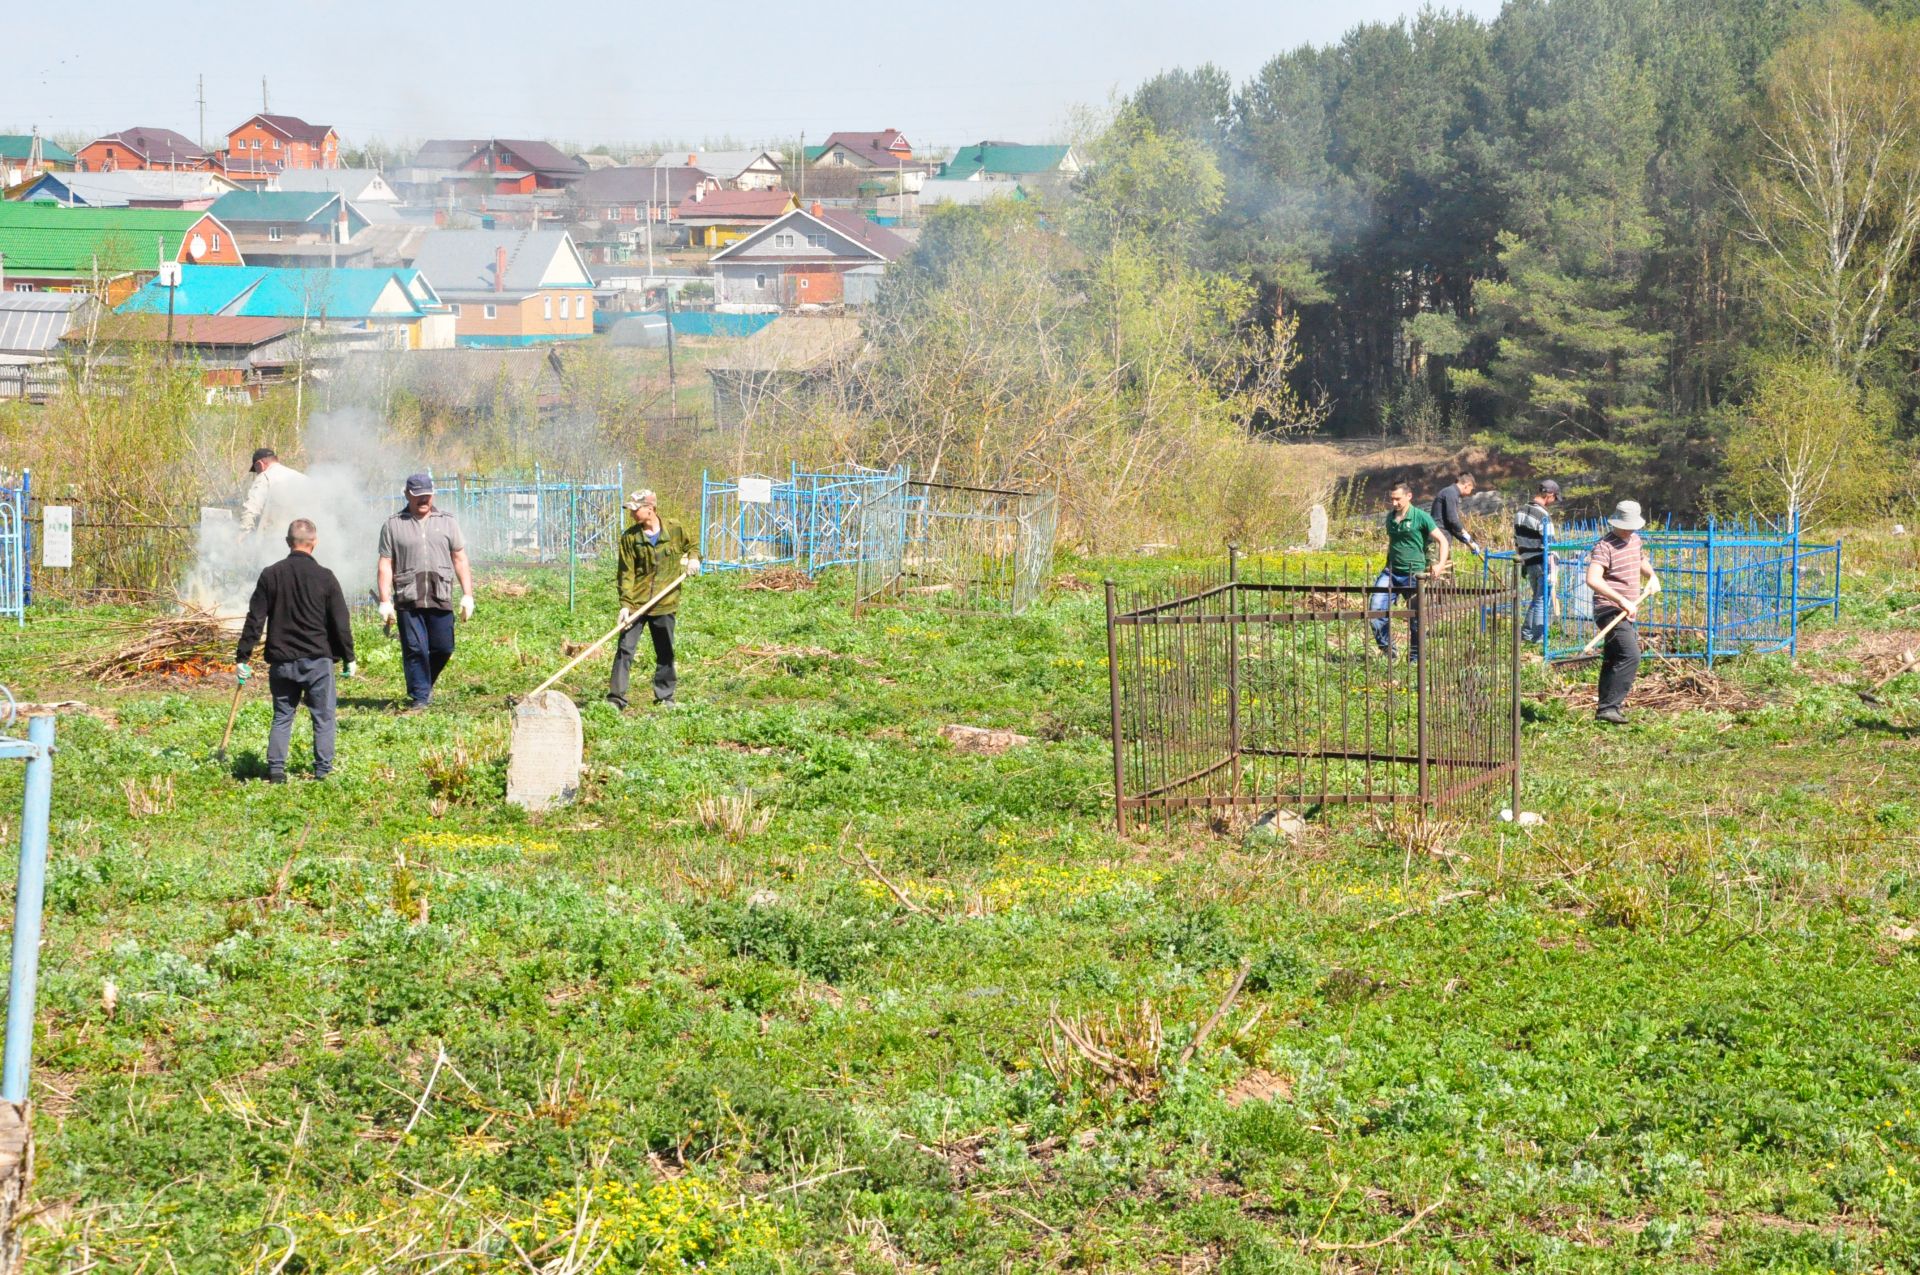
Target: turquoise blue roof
343 295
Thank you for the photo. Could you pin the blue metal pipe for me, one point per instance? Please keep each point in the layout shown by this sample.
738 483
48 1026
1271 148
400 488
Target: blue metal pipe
29 898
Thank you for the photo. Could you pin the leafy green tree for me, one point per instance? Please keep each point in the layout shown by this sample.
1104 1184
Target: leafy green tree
1807 441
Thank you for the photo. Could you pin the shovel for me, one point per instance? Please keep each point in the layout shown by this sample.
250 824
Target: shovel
608 636
1614 623
226 737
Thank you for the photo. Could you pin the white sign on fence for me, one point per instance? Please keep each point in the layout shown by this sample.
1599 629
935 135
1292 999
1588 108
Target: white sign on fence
56 535
756 491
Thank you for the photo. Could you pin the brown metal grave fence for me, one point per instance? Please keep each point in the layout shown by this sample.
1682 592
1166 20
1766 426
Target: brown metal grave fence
1268 688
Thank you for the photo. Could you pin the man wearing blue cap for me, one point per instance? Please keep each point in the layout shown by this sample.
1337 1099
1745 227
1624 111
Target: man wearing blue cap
421 554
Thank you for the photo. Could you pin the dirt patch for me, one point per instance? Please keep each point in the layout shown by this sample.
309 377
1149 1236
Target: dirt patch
1877 652
1259 1085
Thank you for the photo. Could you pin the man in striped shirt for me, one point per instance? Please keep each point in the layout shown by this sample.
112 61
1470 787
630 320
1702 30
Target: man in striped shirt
1532 527
1619 574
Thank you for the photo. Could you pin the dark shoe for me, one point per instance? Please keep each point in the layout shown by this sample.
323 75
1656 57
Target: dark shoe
1611 716
665 703
618 705
276 779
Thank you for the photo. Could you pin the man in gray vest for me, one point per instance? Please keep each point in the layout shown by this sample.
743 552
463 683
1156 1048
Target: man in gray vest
421 554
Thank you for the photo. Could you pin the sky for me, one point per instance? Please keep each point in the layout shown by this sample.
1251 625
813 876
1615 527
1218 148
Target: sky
585 71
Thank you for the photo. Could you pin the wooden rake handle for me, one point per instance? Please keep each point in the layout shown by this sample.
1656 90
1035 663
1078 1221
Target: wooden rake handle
1614 623
608 636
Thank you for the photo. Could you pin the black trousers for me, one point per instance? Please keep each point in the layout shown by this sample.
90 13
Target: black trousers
661 627
1619 660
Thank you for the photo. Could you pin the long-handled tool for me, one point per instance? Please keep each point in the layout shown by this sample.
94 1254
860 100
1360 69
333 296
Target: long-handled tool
226 737
608 636
1869 695
1614 623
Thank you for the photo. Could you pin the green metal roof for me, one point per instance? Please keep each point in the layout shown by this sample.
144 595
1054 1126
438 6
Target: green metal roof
20 145
1004 159
271 205
45 239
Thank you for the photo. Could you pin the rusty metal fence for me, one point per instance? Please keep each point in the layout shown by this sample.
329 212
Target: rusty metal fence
1270 688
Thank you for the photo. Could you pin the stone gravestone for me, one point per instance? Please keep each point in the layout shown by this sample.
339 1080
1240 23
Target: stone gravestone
543 762
1317 527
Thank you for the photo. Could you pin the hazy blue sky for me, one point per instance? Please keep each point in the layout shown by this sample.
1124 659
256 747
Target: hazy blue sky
587 71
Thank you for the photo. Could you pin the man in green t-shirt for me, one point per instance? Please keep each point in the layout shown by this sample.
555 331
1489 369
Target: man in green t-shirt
1414 547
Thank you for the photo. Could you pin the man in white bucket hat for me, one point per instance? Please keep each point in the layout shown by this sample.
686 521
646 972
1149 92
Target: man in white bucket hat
1619 574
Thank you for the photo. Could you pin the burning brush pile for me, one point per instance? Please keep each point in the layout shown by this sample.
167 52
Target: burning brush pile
196 643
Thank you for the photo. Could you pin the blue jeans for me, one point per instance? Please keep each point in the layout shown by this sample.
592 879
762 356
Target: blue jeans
1385 586
1535 627
292 681
426 644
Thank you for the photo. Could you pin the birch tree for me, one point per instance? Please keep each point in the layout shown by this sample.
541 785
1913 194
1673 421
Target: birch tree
1832 209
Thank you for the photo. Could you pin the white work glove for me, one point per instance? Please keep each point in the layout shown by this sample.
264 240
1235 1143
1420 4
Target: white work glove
353 666
691 565
386 612
627 617
466 606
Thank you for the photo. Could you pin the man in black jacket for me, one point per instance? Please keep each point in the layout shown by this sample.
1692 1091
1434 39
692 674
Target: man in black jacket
305 614
1446 510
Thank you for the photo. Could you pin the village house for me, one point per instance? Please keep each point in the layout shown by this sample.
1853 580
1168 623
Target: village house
968 193
142 148
24 156
106 251
513 167
291 227
525 287
133 189
740 170
811 256
230 352
1010 161
612 209
717 218
359 186
884 153
375 309
283 142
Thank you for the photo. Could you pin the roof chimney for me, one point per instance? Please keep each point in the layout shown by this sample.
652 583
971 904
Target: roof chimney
500 269
691 159
816 209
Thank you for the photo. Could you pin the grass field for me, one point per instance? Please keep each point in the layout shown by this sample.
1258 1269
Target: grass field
387 1023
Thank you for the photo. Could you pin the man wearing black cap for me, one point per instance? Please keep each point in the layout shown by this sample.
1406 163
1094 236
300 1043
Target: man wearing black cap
421 553
272 496
1532 528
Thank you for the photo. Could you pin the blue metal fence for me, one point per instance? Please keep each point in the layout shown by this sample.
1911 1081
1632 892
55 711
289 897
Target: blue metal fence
29 892
810 519
16 558
1729 588
539 519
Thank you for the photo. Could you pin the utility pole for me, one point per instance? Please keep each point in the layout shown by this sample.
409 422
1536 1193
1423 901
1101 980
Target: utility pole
801 165
264 108
203 110
673 386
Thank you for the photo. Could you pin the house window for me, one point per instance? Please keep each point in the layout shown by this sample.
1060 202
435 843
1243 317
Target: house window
216 243
783 240
273 233
456 311
493 312
613 214
579 307
816 241
803 281
760 281
23 287
546 308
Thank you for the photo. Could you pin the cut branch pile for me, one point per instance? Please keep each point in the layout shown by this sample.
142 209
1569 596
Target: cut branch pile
193 644
1666 686
780 580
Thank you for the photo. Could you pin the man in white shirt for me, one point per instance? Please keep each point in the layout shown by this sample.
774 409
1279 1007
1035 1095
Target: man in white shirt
272 498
